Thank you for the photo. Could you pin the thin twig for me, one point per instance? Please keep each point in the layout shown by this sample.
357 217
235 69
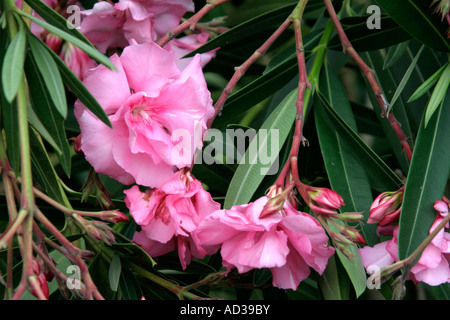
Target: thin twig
370 75
191 22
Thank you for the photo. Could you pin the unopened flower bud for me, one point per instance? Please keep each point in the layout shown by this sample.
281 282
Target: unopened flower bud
53 42
114 216
326 198
386 208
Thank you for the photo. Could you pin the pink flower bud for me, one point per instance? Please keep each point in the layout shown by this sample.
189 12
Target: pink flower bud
386 208
53 42
326 198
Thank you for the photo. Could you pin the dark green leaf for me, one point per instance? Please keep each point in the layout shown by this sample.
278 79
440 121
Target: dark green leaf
425 86
43 170
382 177
429 173
88 49
394 54
47 113
438 94
247 30
251 170
49 74
55 19
79 90
346 175
12 69
365 39
417 18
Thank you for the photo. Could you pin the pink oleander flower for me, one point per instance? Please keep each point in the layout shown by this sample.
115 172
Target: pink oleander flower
433 266
385 209
288 242
169 215
158 114
115 25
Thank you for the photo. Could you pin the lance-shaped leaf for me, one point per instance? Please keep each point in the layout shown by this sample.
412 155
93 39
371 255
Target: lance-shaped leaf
251 171
417 18
49 74
55 19
45 110
426 85
382 178
79 90
429 173
346 175
12 69
88 49
247 30
438 94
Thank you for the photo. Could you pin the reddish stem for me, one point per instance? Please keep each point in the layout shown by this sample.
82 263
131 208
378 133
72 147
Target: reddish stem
240 71
370 75
191 22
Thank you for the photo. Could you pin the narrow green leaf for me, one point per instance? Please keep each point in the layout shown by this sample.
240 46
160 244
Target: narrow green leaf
424 87
417 18
405 79
47 113
365 39
329 281
89 50
345 173
50 74
251 170
55 19
382 177
12 69
37 124
438 95
115 269
247 30
394 54
43 170
79 90
426 181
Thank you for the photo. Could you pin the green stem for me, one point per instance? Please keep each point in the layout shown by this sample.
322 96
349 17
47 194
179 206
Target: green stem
178 290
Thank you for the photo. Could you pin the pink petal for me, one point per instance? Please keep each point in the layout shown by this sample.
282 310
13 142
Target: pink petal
152 247
148 67
97 143
292 273
269 250
109 88
376 255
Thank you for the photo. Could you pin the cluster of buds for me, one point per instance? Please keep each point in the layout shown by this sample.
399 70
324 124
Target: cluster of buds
92 186
326 203
98 230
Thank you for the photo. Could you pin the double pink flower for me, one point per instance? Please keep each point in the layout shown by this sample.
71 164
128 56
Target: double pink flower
169 215
158 114
287 241
433 266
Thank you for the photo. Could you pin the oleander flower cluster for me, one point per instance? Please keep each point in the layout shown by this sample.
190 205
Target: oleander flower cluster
433 266
159 107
